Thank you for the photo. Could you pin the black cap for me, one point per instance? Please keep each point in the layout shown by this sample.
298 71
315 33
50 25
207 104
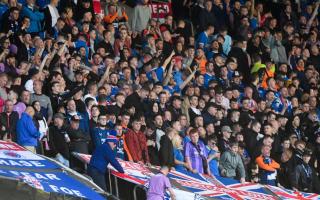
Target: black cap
59 115
175 97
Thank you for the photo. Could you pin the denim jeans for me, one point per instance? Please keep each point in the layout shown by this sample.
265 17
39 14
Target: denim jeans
97 177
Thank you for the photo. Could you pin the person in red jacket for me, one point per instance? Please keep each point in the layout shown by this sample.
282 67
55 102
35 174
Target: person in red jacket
137 143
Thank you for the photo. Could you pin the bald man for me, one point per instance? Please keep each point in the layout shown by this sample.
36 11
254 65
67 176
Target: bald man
27 133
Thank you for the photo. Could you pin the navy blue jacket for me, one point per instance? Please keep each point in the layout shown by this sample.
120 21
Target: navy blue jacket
99 135
102 156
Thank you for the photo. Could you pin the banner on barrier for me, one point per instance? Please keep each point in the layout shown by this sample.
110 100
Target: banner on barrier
19 163
189 185
57 182
13 155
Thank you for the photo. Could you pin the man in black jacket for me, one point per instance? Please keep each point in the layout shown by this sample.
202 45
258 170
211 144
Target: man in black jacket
58 98
238 52
8 122
59 140
136 99
207 17
166 149
79 142
305 178
51 16
252 136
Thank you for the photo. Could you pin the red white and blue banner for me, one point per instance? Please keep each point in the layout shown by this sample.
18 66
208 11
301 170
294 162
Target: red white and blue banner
40 173
13 155
196 186
57 182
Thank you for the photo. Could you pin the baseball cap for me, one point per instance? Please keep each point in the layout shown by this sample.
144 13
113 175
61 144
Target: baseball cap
226 129
58 115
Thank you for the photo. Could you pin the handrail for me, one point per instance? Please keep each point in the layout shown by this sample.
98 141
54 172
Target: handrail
116 186
135 190
110 182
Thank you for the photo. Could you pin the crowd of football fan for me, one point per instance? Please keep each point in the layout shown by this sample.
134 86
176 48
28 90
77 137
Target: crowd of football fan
223 87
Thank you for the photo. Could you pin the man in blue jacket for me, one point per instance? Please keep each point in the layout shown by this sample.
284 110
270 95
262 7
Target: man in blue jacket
100 133
27 133
101 157
34 15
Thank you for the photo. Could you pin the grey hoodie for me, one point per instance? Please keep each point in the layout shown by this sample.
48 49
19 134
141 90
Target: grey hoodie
229 163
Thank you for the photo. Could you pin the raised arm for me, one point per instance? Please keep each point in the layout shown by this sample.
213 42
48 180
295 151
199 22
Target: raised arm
167 61
188 79
169 74
313 16
252 9
105 77
43 63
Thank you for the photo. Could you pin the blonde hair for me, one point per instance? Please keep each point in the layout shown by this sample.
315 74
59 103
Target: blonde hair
176 141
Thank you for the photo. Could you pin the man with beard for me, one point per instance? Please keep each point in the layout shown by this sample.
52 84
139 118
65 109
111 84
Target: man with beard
100 133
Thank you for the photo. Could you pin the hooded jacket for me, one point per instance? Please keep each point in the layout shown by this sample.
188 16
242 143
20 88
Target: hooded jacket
229 163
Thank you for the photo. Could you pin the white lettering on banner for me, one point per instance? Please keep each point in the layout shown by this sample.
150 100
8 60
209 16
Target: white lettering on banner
53 177
161 8
36 175
21 163
66 191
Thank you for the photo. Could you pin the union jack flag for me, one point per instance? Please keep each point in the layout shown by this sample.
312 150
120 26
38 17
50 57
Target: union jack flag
290 194
189 186
32 181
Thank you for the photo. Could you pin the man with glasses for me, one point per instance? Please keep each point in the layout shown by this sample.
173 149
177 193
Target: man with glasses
100 133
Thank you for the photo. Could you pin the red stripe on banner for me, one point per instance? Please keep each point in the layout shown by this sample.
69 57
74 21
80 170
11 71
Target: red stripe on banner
4 145
242 185
127 177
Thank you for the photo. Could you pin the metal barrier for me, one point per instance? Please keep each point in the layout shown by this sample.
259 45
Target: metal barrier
135 190
116 186
110 182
